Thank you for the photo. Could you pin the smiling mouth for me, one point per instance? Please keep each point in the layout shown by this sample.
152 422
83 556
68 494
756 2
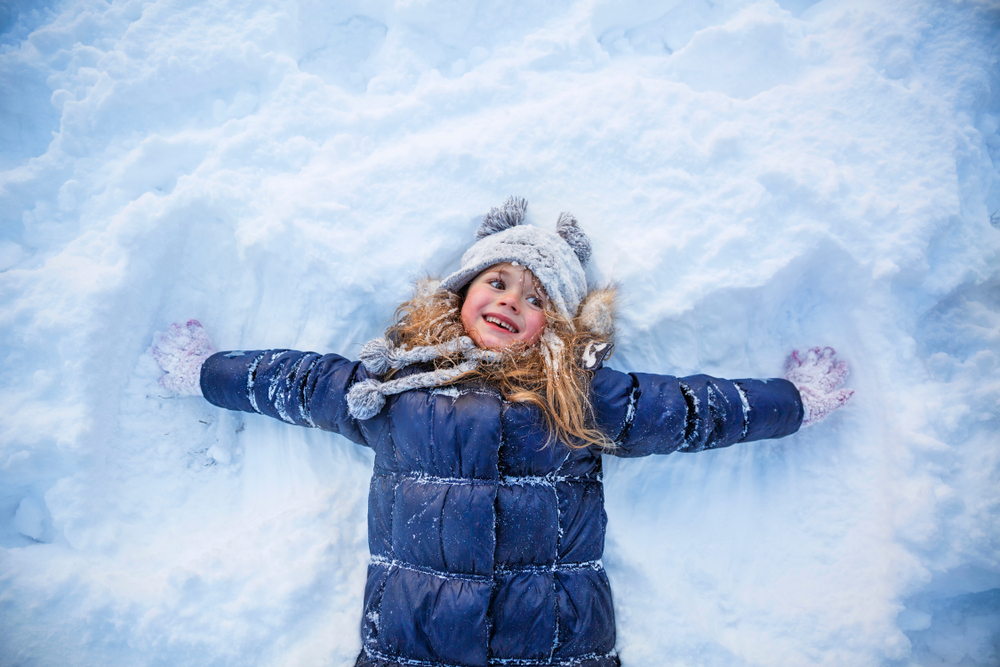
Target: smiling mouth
500 323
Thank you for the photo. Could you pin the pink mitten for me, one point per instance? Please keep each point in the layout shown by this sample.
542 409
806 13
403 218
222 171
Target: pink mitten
817 375
180 352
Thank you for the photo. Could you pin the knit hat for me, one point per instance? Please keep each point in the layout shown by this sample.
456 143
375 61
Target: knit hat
556 259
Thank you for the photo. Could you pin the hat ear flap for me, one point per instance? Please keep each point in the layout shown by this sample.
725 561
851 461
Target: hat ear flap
511 214
568 228
599 311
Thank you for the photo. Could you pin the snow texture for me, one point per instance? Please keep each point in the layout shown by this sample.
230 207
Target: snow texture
758 176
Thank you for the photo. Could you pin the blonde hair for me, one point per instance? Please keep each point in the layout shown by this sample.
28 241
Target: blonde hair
547 374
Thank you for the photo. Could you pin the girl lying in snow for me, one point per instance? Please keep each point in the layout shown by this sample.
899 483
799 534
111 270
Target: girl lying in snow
488 407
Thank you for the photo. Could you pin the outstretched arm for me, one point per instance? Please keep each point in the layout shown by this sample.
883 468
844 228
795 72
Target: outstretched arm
659 414
302 388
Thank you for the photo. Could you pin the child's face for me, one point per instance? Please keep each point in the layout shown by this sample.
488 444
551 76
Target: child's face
503 306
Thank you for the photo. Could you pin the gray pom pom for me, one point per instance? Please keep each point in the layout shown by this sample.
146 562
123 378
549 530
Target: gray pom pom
568 228
364 400
511 214
376 355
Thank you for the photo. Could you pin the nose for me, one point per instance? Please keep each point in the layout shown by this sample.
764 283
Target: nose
511 301
512 298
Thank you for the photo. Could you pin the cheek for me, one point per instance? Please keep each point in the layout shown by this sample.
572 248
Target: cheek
468 314
535 327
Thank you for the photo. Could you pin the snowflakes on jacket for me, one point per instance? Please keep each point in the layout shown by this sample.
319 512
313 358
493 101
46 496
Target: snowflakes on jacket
485 541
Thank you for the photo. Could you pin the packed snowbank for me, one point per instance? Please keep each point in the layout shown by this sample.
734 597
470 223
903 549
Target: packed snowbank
757 176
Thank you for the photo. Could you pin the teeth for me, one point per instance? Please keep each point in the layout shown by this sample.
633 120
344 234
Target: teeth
493 320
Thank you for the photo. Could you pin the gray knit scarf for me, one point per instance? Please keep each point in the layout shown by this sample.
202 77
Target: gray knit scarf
366 398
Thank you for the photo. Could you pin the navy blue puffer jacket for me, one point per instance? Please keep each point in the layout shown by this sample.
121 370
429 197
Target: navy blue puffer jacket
485 543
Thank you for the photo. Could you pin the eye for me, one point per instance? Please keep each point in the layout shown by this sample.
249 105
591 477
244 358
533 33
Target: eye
496 283
536 302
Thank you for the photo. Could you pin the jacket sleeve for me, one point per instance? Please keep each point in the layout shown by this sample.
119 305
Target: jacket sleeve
302 388
659 414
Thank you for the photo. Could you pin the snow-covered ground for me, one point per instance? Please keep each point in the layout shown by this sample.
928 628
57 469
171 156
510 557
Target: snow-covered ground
757 175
